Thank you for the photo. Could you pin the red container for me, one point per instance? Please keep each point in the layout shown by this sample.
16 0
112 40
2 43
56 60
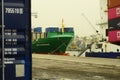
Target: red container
114 36
113 13
113 3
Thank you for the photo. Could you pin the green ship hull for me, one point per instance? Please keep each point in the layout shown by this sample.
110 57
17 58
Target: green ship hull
55 42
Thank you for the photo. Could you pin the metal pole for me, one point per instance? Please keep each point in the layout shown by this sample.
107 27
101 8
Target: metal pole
3 64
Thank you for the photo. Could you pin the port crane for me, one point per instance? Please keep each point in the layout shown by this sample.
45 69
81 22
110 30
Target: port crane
96 32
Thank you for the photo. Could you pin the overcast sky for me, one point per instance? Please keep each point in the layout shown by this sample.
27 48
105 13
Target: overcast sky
51 12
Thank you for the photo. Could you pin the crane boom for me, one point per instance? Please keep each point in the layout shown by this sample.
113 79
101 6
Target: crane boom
96 31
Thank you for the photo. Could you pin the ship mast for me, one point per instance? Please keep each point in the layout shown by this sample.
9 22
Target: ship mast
63 26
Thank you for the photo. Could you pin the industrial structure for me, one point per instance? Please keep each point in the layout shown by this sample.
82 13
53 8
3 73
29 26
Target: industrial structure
109 45
15 40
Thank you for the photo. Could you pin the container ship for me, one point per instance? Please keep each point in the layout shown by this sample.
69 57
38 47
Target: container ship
55 40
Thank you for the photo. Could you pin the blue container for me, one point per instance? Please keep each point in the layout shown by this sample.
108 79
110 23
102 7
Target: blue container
52 29
103 54
18 57
38 30
68 29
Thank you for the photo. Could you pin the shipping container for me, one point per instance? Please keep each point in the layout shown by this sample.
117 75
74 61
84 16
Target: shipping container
114 36
68 29
38 36
34 36
38 29
17 41
43 35
113 3
114 13
114 23
52 29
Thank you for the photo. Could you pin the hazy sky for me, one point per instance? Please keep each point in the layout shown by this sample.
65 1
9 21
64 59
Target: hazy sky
51 12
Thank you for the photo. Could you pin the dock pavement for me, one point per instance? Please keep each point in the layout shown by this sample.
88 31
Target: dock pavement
59 67
92 60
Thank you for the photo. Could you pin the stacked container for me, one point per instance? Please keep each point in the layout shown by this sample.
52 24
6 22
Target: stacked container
38 29
17 58
67 29
52 29
36 34
114 21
